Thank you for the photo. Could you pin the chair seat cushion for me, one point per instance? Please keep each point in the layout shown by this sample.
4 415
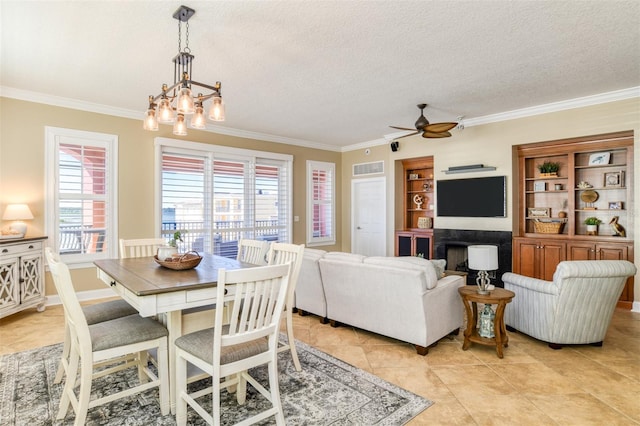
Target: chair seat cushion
200 345
125 331
107 311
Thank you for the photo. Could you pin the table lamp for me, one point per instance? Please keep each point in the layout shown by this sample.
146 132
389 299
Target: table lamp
483 258
18 213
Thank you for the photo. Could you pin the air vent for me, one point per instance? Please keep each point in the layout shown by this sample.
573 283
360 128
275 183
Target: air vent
368 168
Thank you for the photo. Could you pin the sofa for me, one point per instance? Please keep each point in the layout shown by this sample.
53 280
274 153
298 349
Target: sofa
406 298
575 308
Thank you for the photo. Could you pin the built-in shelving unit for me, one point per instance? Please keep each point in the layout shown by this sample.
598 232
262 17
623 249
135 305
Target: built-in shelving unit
593 180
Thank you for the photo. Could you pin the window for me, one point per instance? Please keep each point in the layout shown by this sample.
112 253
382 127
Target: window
81 179
217 195
320 203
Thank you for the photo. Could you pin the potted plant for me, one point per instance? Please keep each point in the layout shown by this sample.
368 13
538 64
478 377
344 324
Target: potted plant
549 168
592 225
172 246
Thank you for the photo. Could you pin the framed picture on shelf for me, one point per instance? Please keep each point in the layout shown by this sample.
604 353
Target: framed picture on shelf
539 212
539 186
414 176
615 205
613 179
599 158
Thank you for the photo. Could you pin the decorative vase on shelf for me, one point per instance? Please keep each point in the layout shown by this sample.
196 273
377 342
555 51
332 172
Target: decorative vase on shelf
592 229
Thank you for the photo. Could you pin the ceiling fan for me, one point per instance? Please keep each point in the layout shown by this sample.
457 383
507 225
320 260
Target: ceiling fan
428 130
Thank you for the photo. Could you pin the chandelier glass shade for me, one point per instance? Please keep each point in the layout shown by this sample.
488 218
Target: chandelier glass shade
175 102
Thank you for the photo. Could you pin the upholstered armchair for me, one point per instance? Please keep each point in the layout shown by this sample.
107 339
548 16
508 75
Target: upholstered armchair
575 308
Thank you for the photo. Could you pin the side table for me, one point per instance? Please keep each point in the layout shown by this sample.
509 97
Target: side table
470 299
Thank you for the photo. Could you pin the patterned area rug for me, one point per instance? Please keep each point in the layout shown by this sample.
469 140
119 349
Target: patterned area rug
326 392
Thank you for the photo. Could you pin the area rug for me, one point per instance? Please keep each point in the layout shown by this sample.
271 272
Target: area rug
326 392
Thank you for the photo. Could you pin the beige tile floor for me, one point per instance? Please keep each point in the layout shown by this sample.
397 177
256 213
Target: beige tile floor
531 385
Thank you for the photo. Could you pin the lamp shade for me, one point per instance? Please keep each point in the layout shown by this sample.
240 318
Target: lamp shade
483 257
17 212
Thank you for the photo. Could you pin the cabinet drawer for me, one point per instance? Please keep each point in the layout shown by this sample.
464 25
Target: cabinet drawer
21 248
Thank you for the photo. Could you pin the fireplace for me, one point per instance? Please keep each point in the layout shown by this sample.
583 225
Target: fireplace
451 244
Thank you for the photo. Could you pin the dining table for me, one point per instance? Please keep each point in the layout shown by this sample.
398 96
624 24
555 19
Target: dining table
154 289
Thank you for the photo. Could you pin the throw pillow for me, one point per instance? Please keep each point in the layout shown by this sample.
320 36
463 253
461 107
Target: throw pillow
440 265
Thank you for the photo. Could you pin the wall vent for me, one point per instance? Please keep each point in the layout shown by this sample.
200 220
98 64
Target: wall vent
363 169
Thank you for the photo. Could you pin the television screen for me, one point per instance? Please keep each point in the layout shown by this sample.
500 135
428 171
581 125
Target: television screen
476 197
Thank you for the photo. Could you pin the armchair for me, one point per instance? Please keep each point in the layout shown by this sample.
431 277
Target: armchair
575 308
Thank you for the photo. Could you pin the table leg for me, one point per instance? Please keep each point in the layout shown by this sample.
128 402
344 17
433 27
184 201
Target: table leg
499 329
471 315
174 326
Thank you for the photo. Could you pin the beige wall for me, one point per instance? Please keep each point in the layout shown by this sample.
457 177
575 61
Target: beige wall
22 168
491 145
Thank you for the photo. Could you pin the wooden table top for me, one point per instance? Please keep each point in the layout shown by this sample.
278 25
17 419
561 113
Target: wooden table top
470 292
143 276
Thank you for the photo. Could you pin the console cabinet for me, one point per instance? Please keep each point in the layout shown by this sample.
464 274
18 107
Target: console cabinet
21 275
416 236
594 179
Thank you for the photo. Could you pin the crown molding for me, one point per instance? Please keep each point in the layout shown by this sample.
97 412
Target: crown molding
42 98
618 95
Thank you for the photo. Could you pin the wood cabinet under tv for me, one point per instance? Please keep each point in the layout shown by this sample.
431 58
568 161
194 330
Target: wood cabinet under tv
594 180
418 200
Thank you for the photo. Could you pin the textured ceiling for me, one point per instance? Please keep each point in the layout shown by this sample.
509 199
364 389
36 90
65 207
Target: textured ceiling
334 73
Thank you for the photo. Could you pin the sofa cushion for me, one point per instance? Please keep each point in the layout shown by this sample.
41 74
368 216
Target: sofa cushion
313 254
408 262
344 257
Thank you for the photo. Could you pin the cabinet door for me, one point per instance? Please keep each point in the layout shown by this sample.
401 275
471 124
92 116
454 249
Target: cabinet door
524 255
9 284
422 245
550 254
404 244
581 251
612 252
30 277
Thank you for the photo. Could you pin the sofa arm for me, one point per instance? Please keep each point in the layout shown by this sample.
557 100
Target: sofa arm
528 283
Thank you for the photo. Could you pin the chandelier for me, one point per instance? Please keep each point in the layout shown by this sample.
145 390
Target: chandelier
174 103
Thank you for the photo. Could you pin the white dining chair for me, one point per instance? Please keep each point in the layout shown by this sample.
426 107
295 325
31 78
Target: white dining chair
98 312
98 344
281 253
249 340
141 247
253 251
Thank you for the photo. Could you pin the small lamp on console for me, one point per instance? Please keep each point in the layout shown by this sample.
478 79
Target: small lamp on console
483 258
18 213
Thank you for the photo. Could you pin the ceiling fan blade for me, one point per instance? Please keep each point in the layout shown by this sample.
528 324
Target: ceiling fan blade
404 136
402 128
428 134
440 127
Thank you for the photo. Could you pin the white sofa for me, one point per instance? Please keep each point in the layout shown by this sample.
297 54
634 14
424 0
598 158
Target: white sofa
398 297
309 294
575 308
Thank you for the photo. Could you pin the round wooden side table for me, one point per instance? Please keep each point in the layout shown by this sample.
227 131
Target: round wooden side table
470 299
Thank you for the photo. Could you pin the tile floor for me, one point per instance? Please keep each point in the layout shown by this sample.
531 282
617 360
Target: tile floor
532 385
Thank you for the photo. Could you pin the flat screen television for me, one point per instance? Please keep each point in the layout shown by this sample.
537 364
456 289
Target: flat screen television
475 197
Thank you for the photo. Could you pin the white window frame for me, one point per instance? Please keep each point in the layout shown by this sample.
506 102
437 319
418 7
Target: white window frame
53 137
329 168
225 152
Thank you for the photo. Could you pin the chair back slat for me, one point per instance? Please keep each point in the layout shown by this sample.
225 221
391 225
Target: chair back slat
142 247
258 302
78 328
253 251
281 253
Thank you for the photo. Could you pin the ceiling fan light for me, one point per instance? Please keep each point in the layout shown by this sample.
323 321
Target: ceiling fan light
165 112
150 121
185 104
216 111
198 120
180 126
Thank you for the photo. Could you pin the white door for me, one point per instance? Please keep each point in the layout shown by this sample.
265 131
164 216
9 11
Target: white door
368 216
